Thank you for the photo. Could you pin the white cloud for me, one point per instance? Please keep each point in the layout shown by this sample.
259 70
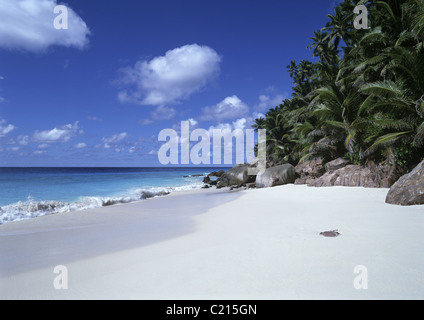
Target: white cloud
113 140
256 115
38 152
15 148
267 102
59 134
28 25
131 150
23 140
247 122
80 145
234 108
43 146
5 128
170 78
160 113
192 122
163 113
237 124
241 123
229 108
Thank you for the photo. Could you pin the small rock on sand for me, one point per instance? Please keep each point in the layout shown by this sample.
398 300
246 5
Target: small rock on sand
332 233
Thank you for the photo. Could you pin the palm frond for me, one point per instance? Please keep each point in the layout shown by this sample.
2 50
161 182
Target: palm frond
336 124
367 105
387 8
374 35
385 88
384 141
393 124
403 37
329 94
370 62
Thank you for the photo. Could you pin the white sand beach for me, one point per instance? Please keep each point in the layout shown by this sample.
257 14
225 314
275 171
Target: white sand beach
215 244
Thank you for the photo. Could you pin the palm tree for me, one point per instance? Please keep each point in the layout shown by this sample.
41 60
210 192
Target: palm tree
339 26
259 123
339 126
323 49
302 75
292 68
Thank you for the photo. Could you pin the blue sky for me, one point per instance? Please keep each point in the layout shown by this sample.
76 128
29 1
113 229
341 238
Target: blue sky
99 92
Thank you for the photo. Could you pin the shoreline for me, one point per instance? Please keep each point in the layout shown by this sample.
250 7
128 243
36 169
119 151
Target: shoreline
110 219
86 188
216 244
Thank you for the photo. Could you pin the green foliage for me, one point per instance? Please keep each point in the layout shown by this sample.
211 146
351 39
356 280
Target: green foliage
360 101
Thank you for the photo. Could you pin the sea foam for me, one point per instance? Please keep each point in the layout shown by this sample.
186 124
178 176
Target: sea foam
31 208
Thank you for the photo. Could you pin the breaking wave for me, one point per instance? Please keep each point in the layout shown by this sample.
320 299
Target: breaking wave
31 208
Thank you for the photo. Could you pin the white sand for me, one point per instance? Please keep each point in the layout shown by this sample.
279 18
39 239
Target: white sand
255 244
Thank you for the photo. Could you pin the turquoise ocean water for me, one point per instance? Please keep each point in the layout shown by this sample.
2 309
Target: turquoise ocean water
31 192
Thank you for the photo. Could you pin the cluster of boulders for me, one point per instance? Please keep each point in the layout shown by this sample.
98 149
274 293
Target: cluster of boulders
405 189
209 182
340 173
239 177
236 177
308 171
